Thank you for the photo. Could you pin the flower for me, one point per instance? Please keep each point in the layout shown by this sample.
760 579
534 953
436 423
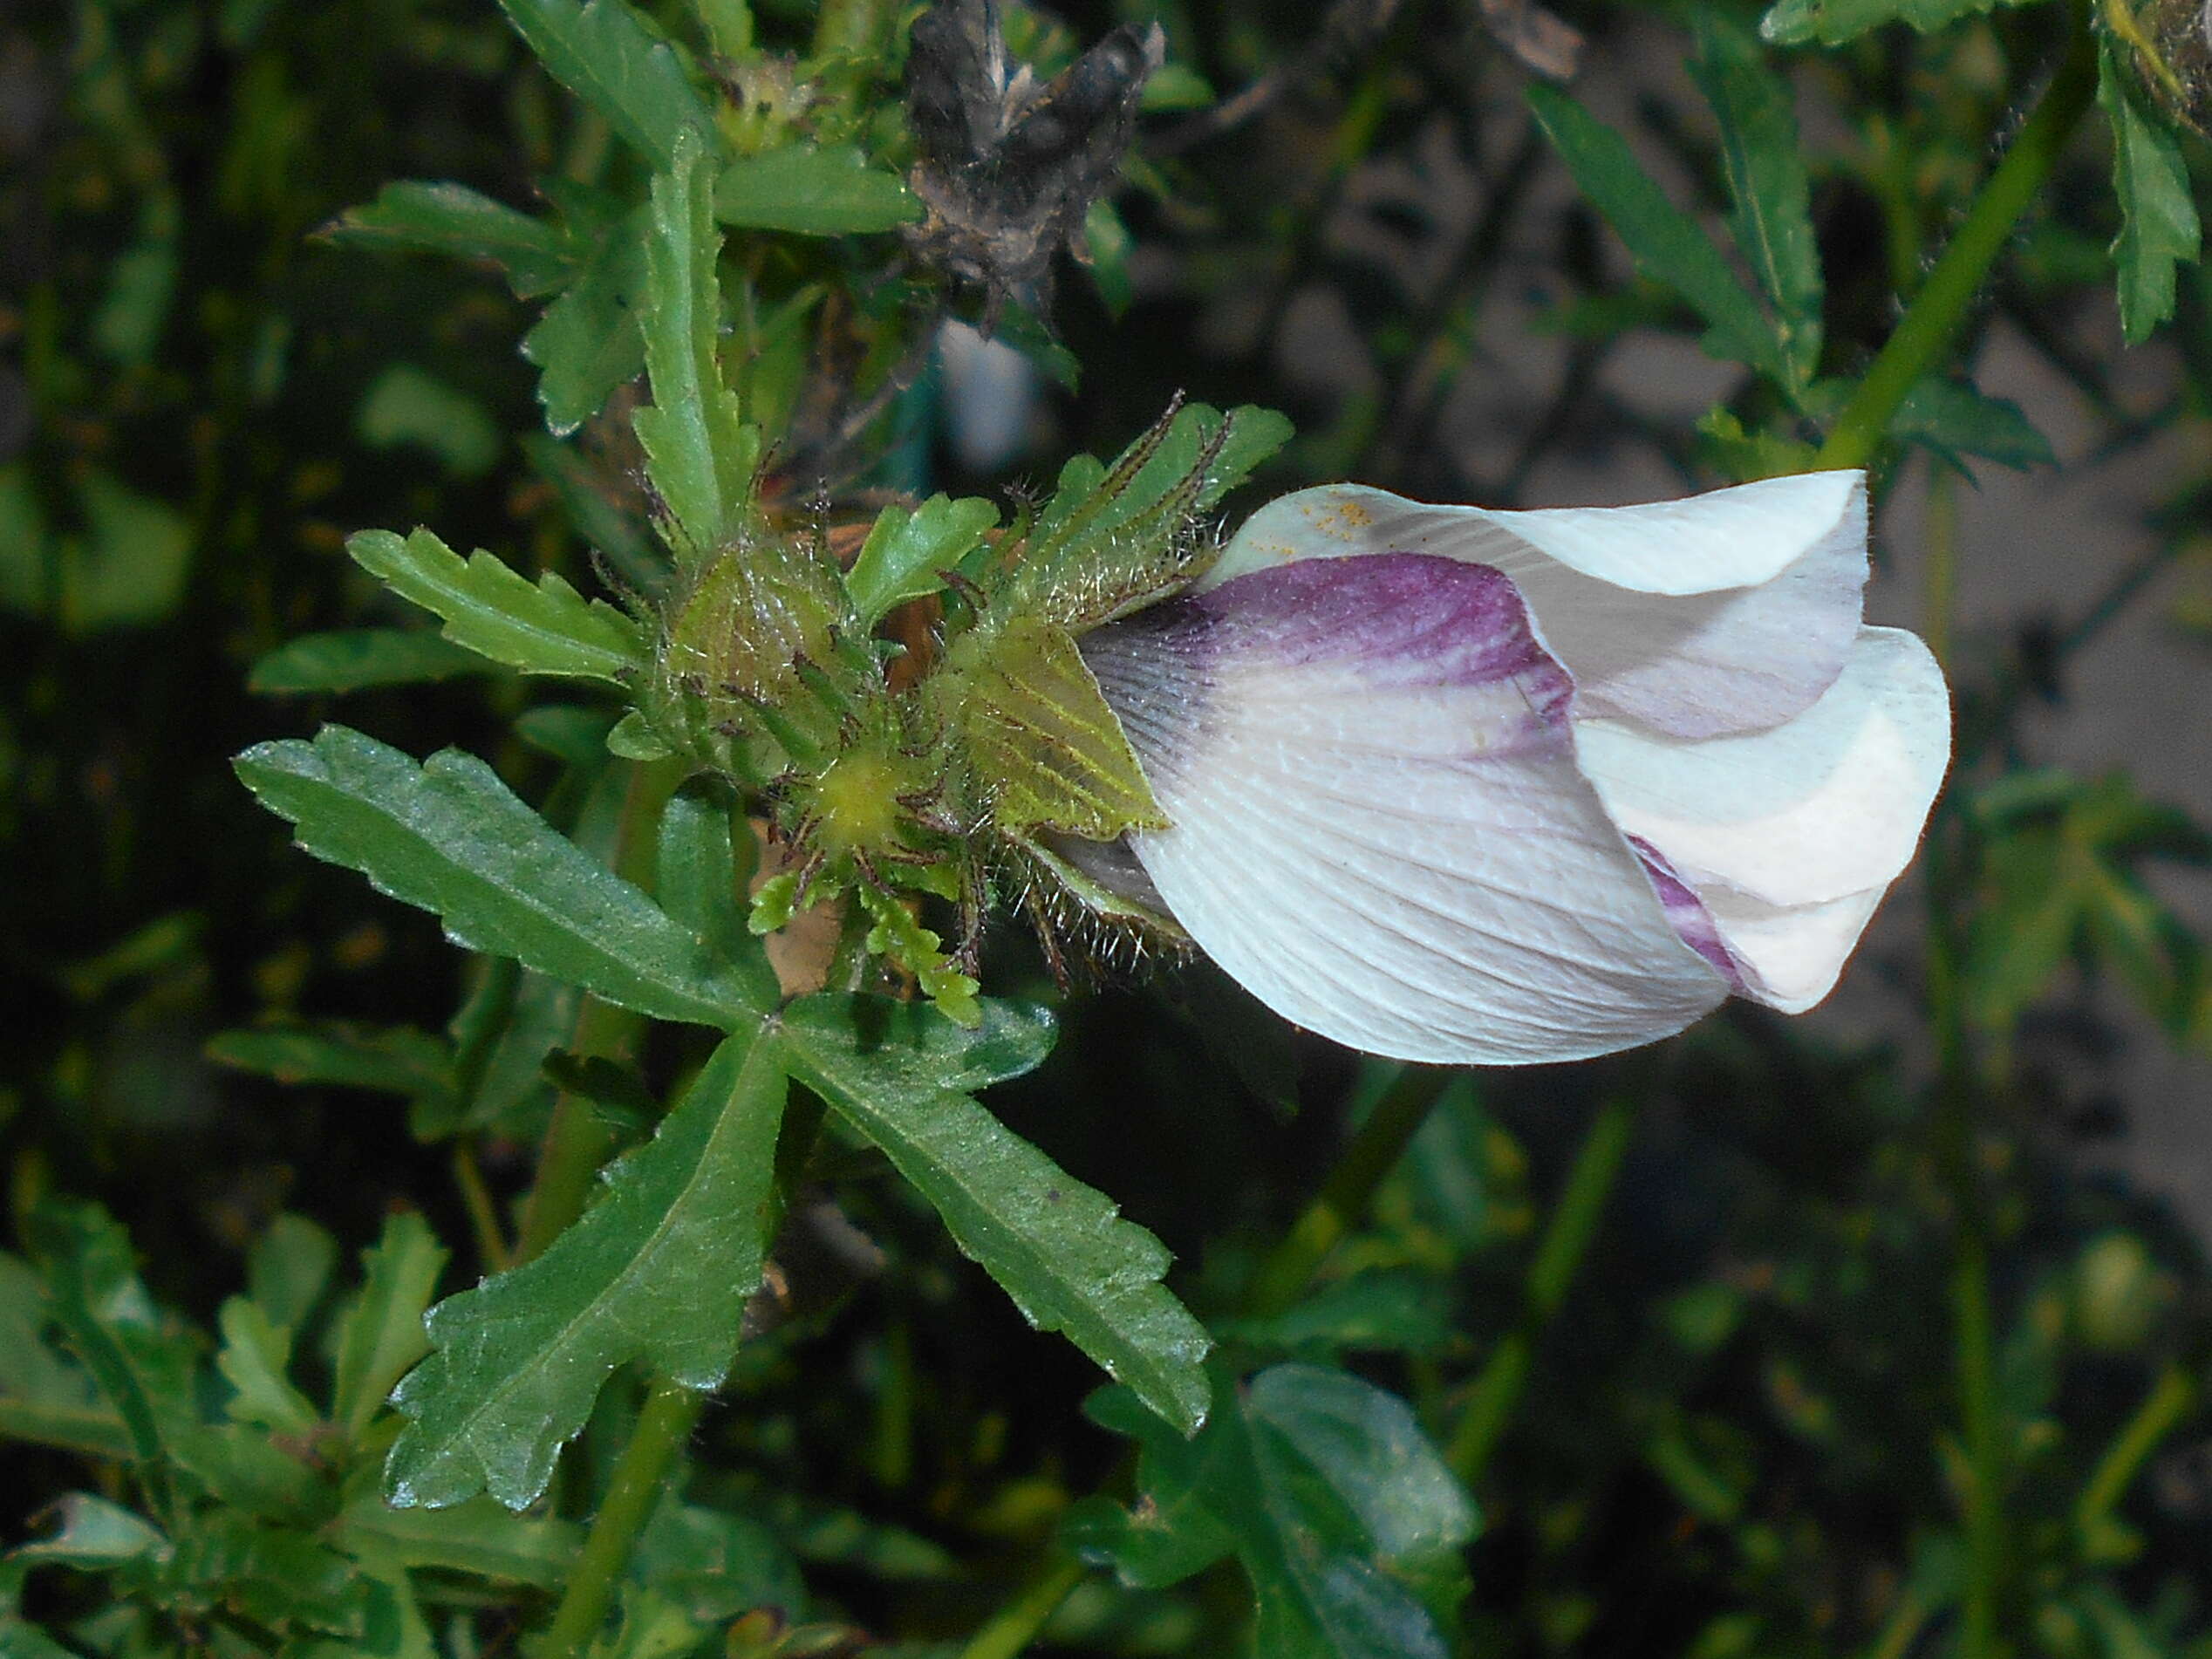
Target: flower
1454 785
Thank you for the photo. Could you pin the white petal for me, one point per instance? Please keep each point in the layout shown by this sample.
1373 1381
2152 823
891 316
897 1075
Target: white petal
1723 612
1379 826
1790 836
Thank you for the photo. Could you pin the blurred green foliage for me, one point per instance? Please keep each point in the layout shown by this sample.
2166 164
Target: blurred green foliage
1756 1344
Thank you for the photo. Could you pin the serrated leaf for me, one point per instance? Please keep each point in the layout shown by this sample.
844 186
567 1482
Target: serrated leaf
253 1360
356 658
603 52
1667 244
1771 216
814 190
905 551
1954 420
699 450
657 1272
901 1076
2159 226
1041 736
533 255
542 627
587 343
381 1335
450 837
1325 1488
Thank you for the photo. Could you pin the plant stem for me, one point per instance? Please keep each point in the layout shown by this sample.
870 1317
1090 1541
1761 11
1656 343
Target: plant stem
1917 345
1344 1197
483 1214
1015 1626
670 1414
2169 1402
1497 1390
578 1140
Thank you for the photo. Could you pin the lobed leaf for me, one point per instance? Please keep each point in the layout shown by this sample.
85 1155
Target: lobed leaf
658 1270
604 53
544 627
450 837
1667 244
533 255
812 190
901 1076
1954 420
381 1335
905 551
1797 23
587 343
2159 226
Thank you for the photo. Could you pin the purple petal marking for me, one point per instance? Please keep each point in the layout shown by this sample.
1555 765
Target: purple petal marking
1688 913
1397 621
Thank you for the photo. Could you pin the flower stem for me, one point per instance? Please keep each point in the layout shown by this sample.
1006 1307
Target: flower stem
1918 343
1015 1626
1497 1390
1375 1152
640 1479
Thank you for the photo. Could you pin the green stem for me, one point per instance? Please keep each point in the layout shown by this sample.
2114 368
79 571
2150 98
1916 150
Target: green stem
1917 345
671 1412
2169 1402
1015 1626
578 1140
1343 1199
1986 1525
483 1214
1497 1390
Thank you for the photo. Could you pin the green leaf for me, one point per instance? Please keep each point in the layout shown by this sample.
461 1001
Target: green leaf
512 1022
828 190
1323 1486
901 1076
905 550
393 1059
697 448
587 343
533 254
1398 1309
1795 23
1047 747
448 837
405 404
703 870
1667 245
141 1367
381 1335
288 1268
129 564
477 1538
544 627
1953 419
2159 226
356 658
45 1397
658 1270
1772 216
604 53
93 1534
253 1360
715 1565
